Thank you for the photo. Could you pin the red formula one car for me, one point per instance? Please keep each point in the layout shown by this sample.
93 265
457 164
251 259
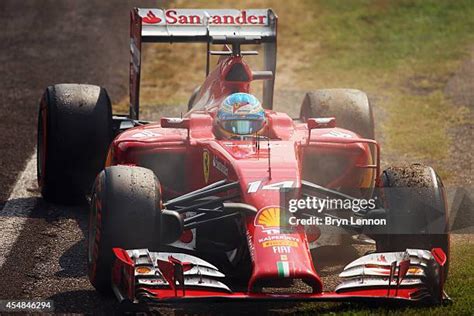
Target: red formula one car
180 214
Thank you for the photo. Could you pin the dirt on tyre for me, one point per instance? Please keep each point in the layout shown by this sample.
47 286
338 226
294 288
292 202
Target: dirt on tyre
415 198
74 132
125 212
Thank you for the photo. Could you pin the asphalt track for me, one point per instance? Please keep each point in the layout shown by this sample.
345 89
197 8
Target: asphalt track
42 43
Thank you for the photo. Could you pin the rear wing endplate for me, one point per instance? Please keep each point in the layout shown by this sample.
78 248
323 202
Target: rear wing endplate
212 26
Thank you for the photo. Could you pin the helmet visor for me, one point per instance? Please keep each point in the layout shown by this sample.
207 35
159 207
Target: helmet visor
242 127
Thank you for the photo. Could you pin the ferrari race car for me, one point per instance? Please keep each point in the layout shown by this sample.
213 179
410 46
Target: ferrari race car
179 214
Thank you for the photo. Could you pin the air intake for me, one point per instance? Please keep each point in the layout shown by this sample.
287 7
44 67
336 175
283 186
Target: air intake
237 73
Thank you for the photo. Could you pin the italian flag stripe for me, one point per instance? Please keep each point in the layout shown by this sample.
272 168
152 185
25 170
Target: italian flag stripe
283 269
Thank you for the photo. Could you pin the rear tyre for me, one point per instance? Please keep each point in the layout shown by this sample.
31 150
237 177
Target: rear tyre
415 198
125 212
352 110
74 132
350 107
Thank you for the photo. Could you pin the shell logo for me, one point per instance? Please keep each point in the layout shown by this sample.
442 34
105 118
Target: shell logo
268 217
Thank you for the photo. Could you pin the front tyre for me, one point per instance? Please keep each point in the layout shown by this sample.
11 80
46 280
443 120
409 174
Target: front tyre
125 212
416 201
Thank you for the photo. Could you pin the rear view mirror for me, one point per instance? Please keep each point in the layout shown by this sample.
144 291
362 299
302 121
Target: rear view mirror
174 122
321 122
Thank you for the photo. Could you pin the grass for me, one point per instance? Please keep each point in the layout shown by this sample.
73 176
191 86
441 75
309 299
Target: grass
402 52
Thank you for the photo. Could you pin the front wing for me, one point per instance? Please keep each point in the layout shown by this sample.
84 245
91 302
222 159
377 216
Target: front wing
141 276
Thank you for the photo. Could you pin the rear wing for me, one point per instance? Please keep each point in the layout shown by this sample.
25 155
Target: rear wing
213 26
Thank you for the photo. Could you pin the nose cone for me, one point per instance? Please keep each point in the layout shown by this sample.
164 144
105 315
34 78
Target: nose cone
278 253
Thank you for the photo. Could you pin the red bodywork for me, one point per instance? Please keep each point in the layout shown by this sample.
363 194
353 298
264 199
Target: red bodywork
190 156
288 155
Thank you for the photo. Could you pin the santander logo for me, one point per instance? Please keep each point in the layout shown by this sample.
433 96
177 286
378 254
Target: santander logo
151 18
178 17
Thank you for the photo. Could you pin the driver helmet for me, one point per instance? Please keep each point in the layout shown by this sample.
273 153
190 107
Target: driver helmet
241 114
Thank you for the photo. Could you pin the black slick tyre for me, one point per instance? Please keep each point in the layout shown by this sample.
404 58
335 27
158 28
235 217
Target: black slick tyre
125 212
74 132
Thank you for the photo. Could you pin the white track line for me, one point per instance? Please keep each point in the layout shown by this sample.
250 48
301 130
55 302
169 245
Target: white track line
16 211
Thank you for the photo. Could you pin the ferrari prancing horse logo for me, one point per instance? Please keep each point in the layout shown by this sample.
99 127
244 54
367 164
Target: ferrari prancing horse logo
206 163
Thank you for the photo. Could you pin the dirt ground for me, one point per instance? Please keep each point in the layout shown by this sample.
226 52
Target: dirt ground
460 89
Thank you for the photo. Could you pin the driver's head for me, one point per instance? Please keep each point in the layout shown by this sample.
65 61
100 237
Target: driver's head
241 114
